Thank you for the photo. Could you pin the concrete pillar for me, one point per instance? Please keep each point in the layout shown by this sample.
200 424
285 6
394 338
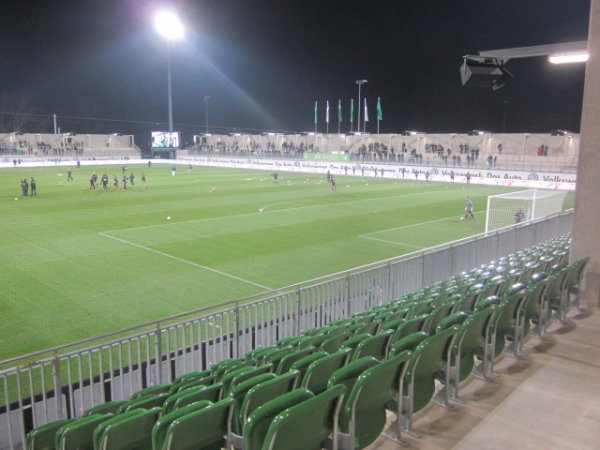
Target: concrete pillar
586 227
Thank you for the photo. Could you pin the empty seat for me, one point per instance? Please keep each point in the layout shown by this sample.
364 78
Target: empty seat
375 346
318 373
159 430
127 432
203 429
79 434
307 425
210 393
43 437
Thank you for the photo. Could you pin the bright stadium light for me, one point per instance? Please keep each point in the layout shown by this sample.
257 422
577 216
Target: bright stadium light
567 58
168 25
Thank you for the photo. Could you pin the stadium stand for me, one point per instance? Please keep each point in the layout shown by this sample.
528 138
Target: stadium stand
333 385
39 146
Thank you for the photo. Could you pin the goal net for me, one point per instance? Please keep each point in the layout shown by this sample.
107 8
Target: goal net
515 207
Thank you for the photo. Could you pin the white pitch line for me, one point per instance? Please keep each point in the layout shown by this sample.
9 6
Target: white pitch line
185 261
391 242
235 216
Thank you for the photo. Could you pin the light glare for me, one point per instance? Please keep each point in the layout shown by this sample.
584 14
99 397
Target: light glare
567 59
168 25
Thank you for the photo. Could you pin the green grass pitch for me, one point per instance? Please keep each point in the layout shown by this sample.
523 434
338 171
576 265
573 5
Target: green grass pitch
75 262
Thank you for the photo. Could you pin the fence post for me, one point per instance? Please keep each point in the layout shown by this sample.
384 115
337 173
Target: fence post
296 330
237 329
389 288
158 357
57 384
348 301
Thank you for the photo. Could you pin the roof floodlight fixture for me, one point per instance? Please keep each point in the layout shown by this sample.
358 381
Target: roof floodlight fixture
168 25
568 58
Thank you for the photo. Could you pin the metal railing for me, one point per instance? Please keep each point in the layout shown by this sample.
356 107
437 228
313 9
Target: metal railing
64 381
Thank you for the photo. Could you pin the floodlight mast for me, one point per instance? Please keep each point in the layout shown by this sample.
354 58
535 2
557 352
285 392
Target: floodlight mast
576 48
168 25
360 83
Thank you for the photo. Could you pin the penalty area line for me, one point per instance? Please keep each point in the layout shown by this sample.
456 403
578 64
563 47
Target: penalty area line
185 261
404 244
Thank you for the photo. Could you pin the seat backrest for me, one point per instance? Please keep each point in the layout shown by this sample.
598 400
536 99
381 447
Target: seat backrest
471 338
355 340
409 327
159 430
79 434
314 341
151 390
348 374
100 428
375 346
451 320
308 424
365 405
238 393
145 402
265 368
210 393
127 433
286 362
227 378
191 375
302 364
318 373
506 317
43 437
409 342
429 357
105 408
201 429
436 316
266 391
257 424
333 343
189 383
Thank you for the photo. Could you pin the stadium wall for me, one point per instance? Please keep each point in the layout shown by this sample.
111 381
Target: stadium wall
492 177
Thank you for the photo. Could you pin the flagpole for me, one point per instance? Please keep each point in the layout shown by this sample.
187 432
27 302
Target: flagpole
316 117
360 83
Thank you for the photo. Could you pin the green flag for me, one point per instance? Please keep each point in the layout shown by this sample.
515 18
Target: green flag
340 111
316 112
379 110
352 110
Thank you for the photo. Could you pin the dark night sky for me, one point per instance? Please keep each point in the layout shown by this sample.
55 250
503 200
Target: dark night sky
264 63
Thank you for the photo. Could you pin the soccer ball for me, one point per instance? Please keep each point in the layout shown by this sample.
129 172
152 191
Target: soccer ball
168 217
260 210
461 218
16 198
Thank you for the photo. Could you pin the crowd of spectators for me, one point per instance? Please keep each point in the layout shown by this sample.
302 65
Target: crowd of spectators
24 147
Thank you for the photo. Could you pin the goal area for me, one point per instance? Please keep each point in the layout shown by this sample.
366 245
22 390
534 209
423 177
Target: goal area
515 207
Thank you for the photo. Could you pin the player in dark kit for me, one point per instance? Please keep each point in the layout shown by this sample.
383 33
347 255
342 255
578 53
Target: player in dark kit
104 180
125 182
131 178
33 186
93 180
115 182
69 175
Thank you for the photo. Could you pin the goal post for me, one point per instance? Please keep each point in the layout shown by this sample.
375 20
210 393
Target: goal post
514 207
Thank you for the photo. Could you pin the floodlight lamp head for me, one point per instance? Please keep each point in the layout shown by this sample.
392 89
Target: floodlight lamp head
361 81
484 71
168 25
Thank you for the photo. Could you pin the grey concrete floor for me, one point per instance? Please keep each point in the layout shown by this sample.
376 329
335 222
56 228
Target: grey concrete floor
548 400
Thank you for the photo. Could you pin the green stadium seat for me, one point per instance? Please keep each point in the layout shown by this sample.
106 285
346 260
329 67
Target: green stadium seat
79 434
334 343
470 339
145 402
159 430
204 429
429 357
314 341
409 342
363 414
436 316
227 378
307 426
127 432
105 408
318 373
375 346
43 437
238 394
573 281
302 364
409 327
192 383
257 425
353 341
211 393
266 368
287 361
191 375
348 374
151 390
267 391
275 355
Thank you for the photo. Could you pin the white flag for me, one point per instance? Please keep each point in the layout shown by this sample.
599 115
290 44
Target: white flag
366 111
327 112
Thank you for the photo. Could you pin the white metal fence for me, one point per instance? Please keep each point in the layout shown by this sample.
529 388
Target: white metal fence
64 381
